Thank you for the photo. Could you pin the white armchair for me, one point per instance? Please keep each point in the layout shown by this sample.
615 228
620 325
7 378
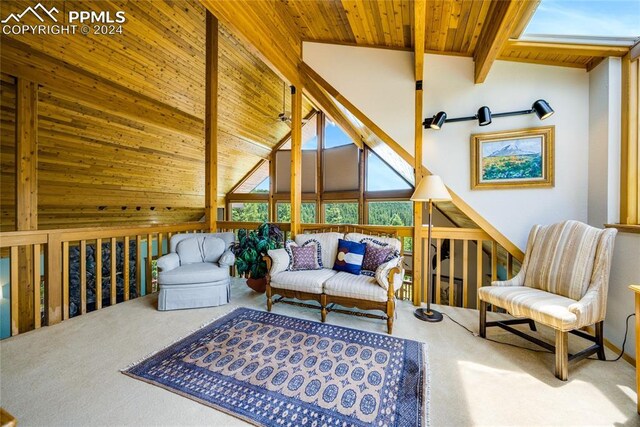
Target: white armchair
562 284
196 271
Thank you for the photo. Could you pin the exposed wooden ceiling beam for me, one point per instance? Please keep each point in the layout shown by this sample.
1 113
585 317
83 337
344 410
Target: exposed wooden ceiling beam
504 16
267 30
419 28
565 48
400 151
326 104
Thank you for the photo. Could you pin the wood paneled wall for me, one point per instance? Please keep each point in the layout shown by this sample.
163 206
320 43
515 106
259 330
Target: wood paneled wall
121 117
7 152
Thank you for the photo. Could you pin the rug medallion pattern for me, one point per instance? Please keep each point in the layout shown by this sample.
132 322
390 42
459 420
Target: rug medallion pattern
275 370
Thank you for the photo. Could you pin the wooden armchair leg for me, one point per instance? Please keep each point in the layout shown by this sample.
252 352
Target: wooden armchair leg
483 319
600 340
562 355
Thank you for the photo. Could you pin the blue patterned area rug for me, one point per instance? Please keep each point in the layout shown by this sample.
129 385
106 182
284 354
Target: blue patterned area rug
273 370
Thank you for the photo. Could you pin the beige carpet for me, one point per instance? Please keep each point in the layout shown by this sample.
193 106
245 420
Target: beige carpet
68 375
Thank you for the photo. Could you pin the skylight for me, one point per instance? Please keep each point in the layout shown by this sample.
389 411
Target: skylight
590 18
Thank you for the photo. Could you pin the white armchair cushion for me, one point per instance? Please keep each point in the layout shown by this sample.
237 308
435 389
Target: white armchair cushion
203 272
213 248
227 259
382 274
168 262
189 251
328 245
279 260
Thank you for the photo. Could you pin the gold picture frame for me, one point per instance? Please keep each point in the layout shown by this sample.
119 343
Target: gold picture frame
513 159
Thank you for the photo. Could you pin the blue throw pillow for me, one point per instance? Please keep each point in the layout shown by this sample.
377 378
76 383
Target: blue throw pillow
350 256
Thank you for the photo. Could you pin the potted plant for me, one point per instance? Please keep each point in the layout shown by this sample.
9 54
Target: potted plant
249 249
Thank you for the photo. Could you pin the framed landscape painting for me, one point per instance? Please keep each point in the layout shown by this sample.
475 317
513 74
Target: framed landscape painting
513 159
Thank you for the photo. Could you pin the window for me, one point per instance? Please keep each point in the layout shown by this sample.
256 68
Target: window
611 18
398 213
250 212
308 212
334 136
381 177
341 213
263 187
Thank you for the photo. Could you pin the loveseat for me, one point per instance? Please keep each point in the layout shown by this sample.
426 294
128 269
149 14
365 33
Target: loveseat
369 290
196 272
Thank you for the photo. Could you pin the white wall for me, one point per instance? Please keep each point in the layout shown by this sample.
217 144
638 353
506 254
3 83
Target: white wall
604 196
381 84
604 143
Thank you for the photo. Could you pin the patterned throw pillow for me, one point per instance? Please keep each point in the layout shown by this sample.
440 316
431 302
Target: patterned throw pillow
290 244
350 256
374 256
304 258
375 243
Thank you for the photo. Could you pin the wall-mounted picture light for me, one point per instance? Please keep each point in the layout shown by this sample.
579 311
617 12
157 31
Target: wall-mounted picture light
484 115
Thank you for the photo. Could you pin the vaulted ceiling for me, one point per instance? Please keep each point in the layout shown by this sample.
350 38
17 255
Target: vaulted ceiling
452 27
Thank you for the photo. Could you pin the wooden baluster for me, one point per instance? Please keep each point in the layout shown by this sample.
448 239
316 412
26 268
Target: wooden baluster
15 316
125 268
53 284
438 267
138 265
479 278
83 276
509 266
37 307
148 285
113 271
160 251
494 266
65 280
465 275
494 261
98 273
452 272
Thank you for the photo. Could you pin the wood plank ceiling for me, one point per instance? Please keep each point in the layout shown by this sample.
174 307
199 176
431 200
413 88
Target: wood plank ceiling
453 27
121 117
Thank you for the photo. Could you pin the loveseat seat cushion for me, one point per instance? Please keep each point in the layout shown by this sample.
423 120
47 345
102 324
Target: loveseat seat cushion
543 307
309 281
351 286
203 272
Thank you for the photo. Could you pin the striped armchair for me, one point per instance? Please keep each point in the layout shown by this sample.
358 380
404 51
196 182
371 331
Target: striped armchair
562 284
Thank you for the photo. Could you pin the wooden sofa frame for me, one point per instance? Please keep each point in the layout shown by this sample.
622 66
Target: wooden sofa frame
327 302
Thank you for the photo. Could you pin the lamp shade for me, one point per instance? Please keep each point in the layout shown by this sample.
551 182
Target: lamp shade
430 187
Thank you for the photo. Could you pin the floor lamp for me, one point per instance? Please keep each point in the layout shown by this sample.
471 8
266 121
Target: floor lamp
429 189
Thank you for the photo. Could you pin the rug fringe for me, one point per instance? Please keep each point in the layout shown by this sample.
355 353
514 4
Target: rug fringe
204 325
426 386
